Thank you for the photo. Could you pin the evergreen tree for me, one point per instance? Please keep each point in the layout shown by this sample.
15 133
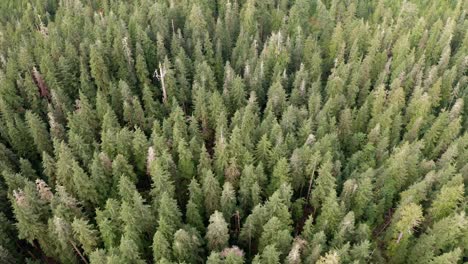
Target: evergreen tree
270 255
449 257
169 216
446 202
275 233
39 133
99 68
228 200
64 166
217 234
211 192
185 162
161 247
194 211
330 258
128 252
277 98
407 218
161 181
85 190
186 246
324 185
109 223
280 175
140 148
31 214
85 233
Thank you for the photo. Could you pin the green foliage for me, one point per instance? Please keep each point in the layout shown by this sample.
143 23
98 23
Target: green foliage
169 216
447 200
187 245
211 192
228 200
39 133
275 233
270 255
217 233
86 235
233 131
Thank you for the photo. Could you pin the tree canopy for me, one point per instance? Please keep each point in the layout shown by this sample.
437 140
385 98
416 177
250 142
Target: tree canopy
233 131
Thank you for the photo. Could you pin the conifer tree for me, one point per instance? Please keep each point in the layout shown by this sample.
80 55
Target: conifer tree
109 223
101 175
99 68
280 175
39 133
61 230
85 190
186 246
407 218
169 216
64 166
330 258
211 192
451 194
128 252
449 257
276 98
217 233
140 148
121 167
86 235
161 247
185 162
275 233
214 258
161 181
194 211
324 185
228 200
270 255
31 214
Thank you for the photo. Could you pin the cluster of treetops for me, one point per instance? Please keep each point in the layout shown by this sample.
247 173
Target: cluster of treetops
233 131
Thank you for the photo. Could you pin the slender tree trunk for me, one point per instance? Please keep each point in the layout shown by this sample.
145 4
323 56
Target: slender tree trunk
162 73
78 251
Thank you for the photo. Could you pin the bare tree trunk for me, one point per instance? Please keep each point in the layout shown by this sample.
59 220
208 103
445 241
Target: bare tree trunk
400 236
160 75
78 251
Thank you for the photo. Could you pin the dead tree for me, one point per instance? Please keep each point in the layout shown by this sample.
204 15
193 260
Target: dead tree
159 74
40 83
